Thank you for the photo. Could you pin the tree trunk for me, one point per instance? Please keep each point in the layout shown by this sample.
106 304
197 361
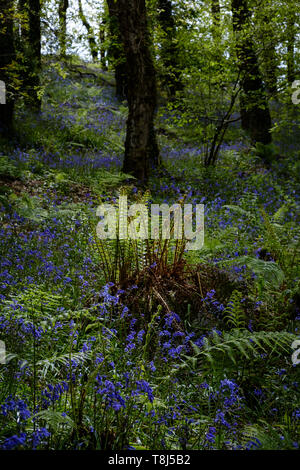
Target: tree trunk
30 60
35 47
141 149
116 51
62 15
7 55
91 37
169 48
255 112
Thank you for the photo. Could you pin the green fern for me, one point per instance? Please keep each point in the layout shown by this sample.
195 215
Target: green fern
234 314
50 364
55 362
272 240
265 437
8 169
123 259
36 300
57 422
239 345
267 271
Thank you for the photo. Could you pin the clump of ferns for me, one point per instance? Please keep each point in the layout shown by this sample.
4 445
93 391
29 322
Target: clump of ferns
234 314
123 260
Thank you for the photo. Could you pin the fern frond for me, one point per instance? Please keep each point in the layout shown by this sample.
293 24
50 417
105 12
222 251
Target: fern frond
34 299
55 421
54 363
242 344
234 313
268 271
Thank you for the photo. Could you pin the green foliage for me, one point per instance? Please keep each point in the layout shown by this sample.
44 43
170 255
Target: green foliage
35 300
29 207
58 424
8 169
267 272
234 313
265 436
125 259
266 152
222 351
108 179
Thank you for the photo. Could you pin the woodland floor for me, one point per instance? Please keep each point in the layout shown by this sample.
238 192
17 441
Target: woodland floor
193 355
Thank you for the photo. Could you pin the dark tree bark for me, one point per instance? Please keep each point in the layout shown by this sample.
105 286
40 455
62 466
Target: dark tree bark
7 55
30 48
91 37
169 48
62 16
116 51
291 38
255 111
141 149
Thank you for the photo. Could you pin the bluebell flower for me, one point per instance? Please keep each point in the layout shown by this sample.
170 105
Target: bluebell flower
210 436
14 441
